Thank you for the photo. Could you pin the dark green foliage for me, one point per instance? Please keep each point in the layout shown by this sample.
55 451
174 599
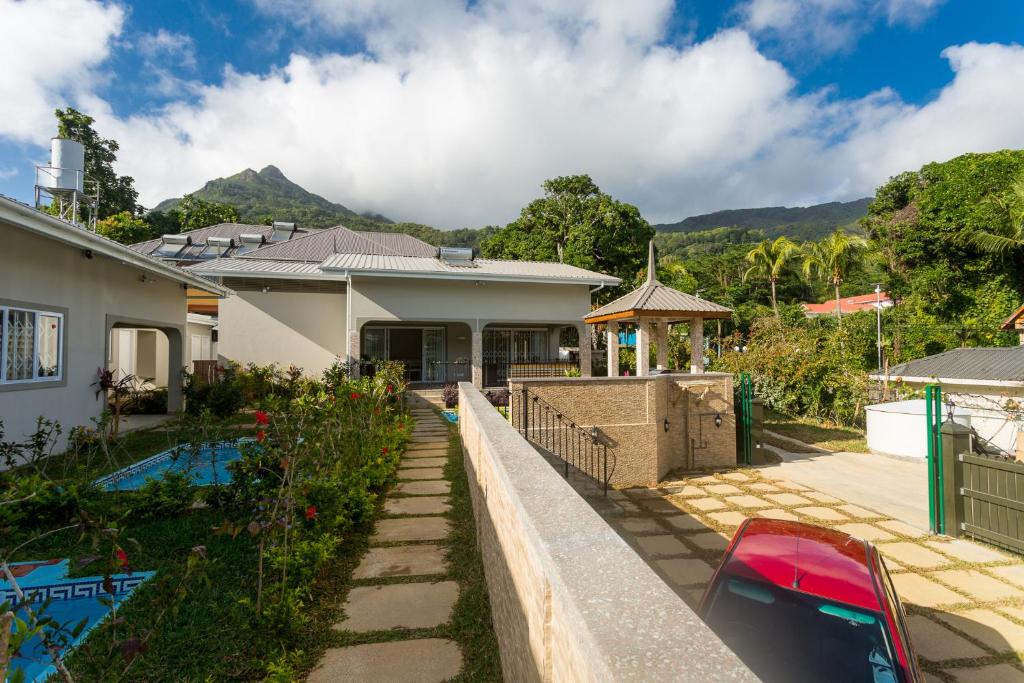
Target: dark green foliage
168 495
117 193
195 212
124 227
803 223
222 398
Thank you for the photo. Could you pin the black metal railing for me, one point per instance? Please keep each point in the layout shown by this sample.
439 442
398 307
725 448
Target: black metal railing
582 448
498 372
448 372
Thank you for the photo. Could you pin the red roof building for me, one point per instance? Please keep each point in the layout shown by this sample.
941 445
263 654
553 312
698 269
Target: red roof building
849 304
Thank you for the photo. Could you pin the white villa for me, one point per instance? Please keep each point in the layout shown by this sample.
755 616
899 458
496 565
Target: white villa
309 297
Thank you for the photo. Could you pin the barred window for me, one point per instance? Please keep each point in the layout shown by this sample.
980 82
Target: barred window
32 345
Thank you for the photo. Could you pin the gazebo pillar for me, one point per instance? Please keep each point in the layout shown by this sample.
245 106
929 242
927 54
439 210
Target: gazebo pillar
663 345
697 346
586 365
612 336
643 348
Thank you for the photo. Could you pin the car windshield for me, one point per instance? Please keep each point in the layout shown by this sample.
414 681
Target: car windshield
783 635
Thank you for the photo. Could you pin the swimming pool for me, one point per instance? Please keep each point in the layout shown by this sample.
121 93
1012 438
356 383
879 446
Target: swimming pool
72 600
205 466
450 415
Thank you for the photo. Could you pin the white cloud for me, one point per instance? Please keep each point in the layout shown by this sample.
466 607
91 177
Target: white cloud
51 49
164 45
8 173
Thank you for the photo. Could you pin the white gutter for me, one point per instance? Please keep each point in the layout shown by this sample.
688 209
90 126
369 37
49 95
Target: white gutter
408 274
955 381
33 220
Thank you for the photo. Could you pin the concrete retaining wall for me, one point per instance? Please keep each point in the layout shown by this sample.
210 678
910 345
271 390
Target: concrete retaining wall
571 601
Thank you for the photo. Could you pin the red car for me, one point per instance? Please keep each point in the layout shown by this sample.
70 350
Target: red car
798 602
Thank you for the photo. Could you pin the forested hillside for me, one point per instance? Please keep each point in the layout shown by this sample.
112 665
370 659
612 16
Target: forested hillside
802 222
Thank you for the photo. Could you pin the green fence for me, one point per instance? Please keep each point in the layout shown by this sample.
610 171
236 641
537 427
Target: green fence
983 495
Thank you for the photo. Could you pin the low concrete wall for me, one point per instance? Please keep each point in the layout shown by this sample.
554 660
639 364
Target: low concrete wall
631 413
570 600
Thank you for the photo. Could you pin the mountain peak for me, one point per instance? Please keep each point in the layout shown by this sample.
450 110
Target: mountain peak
272 172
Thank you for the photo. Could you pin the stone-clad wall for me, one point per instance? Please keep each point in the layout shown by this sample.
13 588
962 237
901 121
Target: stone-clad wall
570 600
631 414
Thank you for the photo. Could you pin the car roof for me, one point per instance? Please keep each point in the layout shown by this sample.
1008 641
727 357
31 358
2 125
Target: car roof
825 563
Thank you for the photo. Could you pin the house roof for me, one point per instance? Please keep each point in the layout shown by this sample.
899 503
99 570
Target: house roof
849 304
1015 321
27 218
1003 364
200 235
655 300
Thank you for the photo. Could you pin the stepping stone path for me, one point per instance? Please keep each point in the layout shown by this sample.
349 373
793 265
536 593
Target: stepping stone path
404 544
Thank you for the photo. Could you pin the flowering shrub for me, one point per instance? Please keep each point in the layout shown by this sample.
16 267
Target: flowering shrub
450 394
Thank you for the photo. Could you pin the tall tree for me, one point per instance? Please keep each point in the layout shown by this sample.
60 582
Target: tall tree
833 258
768 260
1002 238
125 228
117 192
575 223
199 213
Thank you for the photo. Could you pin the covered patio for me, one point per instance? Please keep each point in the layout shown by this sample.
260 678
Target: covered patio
653 308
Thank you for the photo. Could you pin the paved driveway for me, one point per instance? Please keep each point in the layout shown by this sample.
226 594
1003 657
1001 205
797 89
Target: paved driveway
897 487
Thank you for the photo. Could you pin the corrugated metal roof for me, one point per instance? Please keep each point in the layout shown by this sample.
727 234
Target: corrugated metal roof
200 235
478 268
320 245
400 243
654 297
987 364
249 265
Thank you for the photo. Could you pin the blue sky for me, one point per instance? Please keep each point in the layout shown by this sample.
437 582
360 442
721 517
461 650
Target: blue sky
453 115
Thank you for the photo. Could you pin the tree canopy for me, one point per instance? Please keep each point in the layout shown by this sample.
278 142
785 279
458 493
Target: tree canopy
117 192
199 213
125 228
575 223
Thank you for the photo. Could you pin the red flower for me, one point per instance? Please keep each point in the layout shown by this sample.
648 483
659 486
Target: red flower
261 418
354 395
310 512
122 557
389 389
384 450
401 426
260 435
376 411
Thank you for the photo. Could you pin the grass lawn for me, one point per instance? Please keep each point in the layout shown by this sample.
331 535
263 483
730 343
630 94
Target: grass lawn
829 437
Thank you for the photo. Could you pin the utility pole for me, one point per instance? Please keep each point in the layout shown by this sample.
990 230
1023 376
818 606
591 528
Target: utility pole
878 323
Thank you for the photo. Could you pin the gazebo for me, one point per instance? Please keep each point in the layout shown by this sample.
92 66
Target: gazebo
653 308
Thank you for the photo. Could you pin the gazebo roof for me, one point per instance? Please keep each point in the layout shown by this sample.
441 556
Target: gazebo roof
655 300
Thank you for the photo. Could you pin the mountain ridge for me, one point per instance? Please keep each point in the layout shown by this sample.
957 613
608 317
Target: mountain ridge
800 222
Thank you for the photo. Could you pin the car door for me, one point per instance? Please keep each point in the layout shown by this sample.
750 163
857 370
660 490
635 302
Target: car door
898 620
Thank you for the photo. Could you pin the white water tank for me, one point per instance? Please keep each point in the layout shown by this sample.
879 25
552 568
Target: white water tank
67 165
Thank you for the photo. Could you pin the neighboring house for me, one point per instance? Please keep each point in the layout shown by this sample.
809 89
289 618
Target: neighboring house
366 296
849 304
984 386
139 352
65 295
1016 322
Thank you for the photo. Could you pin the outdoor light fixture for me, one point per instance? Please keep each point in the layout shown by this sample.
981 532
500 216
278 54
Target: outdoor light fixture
666 424
718 420
593 433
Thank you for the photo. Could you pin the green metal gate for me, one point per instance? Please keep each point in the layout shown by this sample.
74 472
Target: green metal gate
933 415
745 420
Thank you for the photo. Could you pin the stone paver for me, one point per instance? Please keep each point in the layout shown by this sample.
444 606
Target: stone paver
704 479
706 503
711 540
728 518
823 497
747 501
399 605
424 488
1013 573
902 529
408 529
685 522
989 628
967 551
993 673
822 513
866 531
686 572
938 643
913 555
723 489
658 505
776 513
735 476
427 453
924 592
764 488
687 491
791 485
426 660
663 545
402 560
425 505
787 499
413 473
433 444
424 462
640 525
858 512
977 585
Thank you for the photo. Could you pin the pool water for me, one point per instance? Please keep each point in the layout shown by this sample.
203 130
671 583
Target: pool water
205 466
450 415
71 601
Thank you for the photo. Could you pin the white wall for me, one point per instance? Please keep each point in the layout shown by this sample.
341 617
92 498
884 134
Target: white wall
302 328
38 272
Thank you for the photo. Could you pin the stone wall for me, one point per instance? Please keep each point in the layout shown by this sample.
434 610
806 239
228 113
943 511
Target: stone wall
631 413
570 600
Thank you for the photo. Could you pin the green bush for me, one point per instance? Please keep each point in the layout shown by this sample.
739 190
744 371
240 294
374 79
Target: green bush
222 398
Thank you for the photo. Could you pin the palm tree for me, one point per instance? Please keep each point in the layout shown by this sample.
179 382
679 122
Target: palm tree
767 261
833 258
1001 239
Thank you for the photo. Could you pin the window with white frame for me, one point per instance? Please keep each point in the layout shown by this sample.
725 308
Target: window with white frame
31 344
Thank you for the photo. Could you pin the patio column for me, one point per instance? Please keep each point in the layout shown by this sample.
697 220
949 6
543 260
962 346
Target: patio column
643 348
697 346
353 353
612 335
476 360
586 366
663 344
